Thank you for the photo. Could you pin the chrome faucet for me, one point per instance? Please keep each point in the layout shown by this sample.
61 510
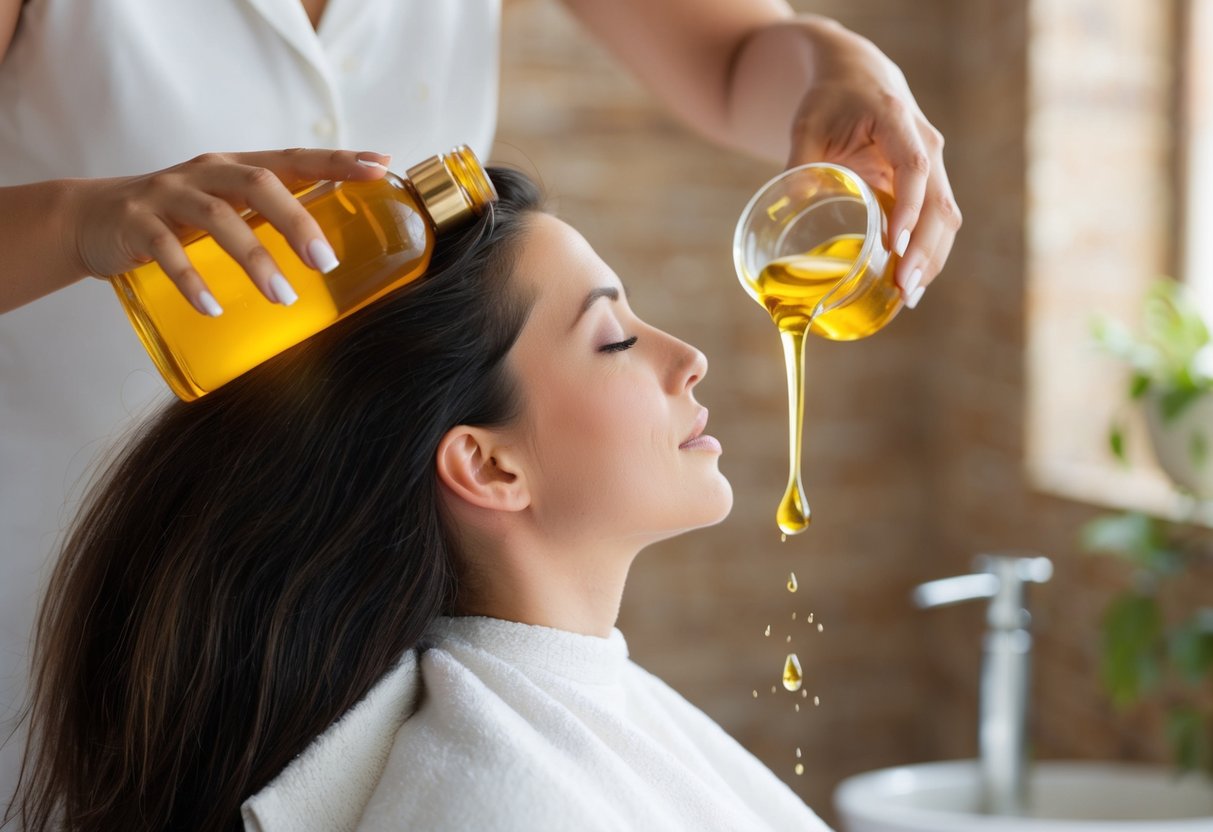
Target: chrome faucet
1005 667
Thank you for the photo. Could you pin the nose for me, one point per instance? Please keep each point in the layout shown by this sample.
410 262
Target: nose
688 365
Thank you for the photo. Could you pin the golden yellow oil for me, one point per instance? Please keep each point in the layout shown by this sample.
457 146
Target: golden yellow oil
792 675
381 237
802 294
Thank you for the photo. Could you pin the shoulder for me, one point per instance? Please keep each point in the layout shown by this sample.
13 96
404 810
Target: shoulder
468 759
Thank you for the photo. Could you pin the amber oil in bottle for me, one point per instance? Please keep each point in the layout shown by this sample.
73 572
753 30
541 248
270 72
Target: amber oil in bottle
383 233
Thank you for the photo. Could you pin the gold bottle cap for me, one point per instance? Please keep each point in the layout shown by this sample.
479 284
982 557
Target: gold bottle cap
454 187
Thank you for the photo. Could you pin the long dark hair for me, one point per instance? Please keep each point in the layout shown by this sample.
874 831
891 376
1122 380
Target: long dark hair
255 560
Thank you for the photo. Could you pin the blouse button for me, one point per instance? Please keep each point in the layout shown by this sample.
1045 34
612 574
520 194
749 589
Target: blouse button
324 128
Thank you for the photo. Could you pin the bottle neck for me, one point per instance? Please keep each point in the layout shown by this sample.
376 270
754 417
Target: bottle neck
453 187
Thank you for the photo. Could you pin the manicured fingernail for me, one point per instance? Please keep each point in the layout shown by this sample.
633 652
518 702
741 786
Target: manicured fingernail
916 297
322 255
284 293
912 283
371 160
903 240
208 302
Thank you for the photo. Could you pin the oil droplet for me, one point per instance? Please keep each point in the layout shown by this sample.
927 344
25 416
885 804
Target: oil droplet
792 585
797 707
792 673
783 538
798 752
816 700
799 769
768 630
793 616
755 694
804 693
789 641
810 618
820 628
772 688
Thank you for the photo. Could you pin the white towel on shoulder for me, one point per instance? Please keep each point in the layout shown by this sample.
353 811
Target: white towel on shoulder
528 728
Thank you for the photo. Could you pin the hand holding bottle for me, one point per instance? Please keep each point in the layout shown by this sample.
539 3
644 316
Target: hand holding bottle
60 231
122 223
852 106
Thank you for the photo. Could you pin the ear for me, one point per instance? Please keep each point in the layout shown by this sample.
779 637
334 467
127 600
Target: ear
479 469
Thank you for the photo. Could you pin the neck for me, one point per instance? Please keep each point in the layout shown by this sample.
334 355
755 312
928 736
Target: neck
551 587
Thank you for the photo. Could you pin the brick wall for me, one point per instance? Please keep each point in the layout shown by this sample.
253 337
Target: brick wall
914 457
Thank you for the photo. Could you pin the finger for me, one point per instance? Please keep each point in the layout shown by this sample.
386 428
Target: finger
161 244
933 239
900 142
229 230
299 166
266 194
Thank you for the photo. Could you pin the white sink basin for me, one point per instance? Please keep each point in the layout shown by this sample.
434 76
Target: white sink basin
1062 797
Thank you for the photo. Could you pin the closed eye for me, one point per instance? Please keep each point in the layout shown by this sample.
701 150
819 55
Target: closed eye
619 346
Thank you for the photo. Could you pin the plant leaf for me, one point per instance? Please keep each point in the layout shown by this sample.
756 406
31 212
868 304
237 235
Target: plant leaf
1116 443
1176 400
1141 540
1191 647
1132 647
1188 732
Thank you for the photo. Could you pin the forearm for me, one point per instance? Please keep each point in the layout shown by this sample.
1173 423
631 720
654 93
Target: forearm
769 75
39 255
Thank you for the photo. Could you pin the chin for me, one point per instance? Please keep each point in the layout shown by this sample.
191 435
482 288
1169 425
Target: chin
715 504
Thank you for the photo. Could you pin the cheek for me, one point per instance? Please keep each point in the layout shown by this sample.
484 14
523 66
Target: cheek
611 429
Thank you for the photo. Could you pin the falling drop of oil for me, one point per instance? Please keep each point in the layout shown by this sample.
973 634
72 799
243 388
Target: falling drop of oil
803 694
816 700
791 672
768 631
789 641
798 752
783 538
793 616
799 769
755 692
820 628
772 688
792 585
810 618
793 514
797 707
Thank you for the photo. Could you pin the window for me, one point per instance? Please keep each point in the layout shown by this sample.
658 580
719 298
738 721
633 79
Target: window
1103 198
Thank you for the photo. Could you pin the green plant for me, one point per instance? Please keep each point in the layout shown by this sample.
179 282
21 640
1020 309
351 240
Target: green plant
1149 652
1169 358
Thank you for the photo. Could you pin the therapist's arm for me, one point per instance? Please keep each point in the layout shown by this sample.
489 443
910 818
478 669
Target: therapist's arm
10 10
55 233
752 75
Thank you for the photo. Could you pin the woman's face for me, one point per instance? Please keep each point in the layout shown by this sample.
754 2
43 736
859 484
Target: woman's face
608 405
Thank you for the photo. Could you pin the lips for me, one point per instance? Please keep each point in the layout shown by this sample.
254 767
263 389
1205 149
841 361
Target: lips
696 440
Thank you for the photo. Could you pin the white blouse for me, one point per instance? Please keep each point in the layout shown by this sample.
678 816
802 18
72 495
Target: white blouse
93 88
518 728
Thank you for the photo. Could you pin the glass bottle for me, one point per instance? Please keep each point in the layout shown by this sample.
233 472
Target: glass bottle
383 234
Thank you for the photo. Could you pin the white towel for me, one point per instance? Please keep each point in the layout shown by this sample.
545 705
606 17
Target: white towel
325 788
525 728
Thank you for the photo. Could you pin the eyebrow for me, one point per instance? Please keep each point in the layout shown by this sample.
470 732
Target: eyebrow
600 292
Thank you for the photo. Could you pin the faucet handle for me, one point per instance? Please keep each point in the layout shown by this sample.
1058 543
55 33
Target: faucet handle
947 591
1026 567
1001 577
